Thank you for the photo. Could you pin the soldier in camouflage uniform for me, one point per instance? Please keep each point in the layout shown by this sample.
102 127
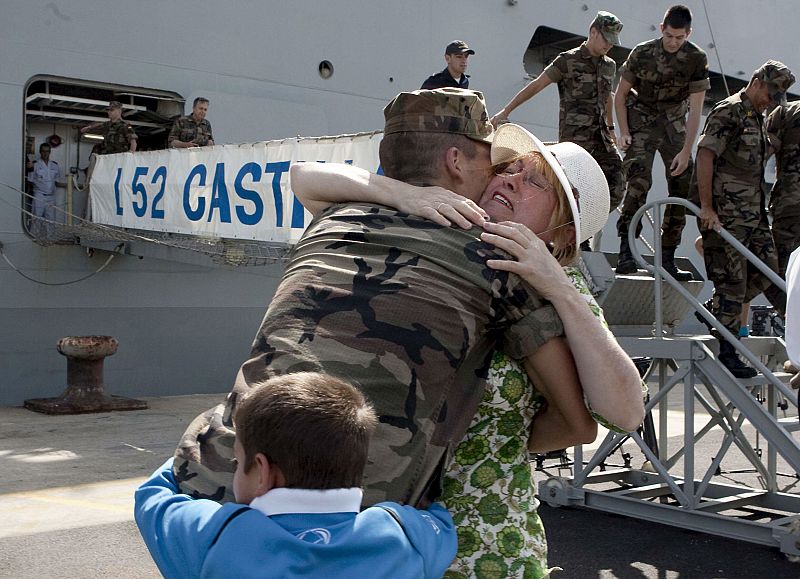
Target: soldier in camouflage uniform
660 78
193 130
731 157
584 76
403 307
488 487
783 128
118 136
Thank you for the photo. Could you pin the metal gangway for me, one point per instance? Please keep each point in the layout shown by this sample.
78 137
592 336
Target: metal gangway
674 484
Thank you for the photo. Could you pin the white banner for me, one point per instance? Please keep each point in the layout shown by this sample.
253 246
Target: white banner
232 191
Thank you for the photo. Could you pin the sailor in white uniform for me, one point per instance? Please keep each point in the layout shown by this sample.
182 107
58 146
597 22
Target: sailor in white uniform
44 175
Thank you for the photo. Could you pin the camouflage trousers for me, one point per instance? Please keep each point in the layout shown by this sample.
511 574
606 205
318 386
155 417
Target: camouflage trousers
638 171
736 280
611 164
786 233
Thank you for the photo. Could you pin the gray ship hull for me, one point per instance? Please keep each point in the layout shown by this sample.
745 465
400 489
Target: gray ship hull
185 328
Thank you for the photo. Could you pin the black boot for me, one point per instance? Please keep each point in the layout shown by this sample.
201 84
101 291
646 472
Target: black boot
625 262
730 359
702 320
668 263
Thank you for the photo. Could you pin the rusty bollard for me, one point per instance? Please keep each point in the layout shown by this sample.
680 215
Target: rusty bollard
85 388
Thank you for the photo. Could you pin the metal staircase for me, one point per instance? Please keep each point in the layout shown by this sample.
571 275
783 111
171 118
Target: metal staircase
754 418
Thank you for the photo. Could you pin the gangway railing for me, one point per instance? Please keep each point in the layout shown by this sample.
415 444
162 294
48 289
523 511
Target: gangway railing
659 274
719 411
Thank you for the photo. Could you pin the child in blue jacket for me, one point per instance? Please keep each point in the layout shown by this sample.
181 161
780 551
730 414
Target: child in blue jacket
301 446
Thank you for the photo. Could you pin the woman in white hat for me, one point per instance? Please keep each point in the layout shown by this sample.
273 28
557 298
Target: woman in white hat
539 204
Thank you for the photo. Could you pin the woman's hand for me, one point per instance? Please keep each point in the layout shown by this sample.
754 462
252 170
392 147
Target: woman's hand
534 262
440 205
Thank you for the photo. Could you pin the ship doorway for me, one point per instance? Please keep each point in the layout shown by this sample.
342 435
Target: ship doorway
55 109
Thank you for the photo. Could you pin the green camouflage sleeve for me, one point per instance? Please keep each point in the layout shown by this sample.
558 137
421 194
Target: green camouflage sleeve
720 125
556 70
612 68
175 132
531 332
632 67
775 127
210 133
699 80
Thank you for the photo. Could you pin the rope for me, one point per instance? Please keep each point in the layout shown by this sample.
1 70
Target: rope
29 278
716 50
232 252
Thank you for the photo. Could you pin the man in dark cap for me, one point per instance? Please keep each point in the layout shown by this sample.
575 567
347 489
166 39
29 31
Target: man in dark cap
731 157
456 56
584 76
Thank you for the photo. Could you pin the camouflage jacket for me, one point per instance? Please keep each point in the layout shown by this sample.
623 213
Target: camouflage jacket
405 309
117 137
735 132
783 128
664 81
186 129
584 86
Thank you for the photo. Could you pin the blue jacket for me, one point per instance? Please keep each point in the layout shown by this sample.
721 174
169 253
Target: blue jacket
201 538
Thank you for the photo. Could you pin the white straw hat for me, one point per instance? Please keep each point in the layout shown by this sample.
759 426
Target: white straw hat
579 174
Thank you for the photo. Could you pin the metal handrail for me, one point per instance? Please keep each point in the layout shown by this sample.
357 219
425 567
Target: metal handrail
660 273
727 236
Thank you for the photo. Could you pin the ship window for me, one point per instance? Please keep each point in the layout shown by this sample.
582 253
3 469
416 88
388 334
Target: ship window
326 69
55 110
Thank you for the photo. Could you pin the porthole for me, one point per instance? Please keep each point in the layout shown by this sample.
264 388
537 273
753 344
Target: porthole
326 69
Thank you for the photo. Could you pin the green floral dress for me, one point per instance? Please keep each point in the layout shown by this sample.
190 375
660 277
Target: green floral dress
489 488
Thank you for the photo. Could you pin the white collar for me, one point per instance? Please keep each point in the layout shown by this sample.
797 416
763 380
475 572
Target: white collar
282 501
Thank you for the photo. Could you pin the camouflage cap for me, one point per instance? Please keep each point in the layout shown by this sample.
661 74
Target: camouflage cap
609 26
458 47
778 77
444 110
114 105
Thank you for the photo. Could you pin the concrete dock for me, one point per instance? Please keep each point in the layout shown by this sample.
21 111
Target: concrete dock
66 498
